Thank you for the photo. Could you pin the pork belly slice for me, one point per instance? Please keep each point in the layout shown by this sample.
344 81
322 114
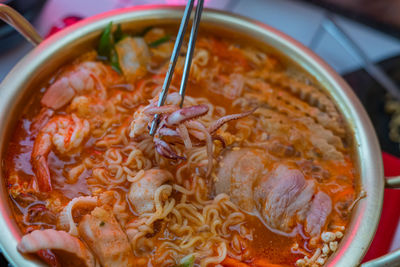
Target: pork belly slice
237 173
283 196
319 211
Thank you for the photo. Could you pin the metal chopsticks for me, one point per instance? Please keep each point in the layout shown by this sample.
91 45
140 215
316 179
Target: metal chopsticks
191 45
175 54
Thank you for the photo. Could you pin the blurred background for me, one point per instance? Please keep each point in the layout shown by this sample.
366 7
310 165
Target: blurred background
351 35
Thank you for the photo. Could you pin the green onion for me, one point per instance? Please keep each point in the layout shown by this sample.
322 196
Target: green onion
106 48
102 223
106 42
119 34
114 61
145 30
187 261
162 40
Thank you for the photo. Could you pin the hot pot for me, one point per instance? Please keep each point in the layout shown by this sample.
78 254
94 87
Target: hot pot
51 53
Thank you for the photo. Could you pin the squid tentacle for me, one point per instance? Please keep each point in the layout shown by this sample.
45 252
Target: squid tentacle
165 150
221 121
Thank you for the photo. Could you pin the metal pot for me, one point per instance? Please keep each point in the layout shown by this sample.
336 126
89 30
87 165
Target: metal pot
53 52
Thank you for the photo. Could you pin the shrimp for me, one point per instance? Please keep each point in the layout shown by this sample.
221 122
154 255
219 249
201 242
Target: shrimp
65 132
84 78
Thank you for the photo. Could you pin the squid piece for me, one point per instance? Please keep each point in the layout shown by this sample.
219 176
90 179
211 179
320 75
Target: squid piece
152 110
185 114
141 193
65 218
186 125
178 118
221 121
165 150
39 240
103 234
180 125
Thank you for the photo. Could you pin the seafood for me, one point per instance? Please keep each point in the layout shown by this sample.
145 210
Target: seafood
255 169
84 78
65 133
57 240
181 123
66 220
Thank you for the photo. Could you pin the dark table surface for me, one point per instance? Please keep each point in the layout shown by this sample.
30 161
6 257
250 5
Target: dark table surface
372 95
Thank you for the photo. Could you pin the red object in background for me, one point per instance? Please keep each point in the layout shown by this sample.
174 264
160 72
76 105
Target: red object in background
390 218
63 24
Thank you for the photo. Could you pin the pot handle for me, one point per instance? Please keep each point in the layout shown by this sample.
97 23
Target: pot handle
392 182
391 259
388 260
18 22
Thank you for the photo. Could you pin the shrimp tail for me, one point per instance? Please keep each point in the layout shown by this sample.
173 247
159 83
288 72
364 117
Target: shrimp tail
41 150
42 173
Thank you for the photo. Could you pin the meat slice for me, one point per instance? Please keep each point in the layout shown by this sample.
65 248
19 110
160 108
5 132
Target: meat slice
141 193
302 203
59 241
282 195
101 231
285 198
237 173
320 209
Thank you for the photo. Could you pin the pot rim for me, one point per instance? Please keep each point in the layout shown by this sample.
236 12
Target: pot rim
366 215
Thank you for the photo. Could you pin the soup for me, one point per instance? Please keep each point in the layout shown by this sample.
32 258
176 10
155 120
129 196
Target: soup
255 169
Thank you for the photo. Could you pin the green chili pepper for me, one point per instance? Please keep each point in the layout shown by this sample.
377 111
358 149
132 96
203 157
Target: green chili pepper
162 40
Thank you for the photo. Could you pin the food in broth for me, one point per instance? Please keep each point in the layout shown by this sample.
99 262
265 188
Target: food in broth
255 169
